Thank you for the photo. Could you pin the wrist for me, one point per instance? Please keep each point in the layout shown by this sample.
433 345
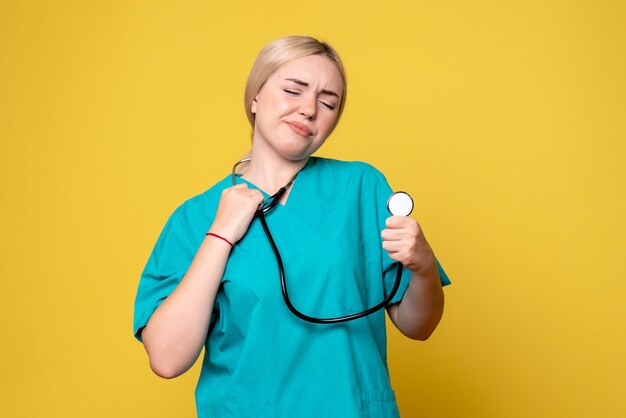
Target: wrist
224 230
219 237
427 266
426 272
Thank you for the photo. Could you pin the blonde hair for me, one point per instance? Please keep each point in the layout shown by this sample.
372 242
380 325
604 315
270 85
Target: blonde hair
280 52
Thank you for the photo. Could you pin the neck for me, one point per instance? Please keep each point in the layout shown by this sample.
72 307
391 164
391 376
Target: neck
270 171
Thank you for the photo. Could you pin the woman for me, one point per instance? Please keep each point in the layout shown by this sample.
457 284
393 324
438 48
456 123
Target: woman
212 279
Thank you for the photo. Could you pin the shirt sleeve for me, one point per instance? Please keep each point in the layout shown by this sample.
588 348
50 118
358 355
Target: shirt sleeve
390 267
165 268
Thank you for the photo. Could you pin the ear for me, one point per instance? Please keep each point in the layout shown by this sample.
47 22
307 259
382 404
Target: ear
253 106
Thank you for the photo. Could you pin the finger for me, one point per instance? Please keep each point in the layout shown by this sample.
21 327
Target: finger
410 231
400 257
393 246
409 228
397 256
399 221
257 195
395 234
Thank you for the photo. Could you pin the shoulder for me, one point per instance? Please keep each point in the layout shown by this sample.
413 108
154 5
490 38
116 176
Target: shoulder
350 170
360 168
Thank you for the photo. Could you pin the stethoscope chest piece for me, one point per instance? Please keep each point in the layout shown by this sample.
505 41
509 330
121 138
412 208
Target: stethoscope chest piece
400 204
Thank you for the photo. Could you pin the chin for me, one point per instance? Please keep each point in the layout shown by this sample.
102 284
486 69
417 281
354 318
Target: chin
295 153
295 156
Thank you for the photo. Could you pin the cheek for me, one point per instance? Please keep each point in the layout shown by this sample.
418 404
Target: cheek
269 103
283 106
327 122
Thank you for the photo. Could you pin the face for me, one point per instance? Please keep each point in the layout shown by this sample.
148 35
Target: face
297 107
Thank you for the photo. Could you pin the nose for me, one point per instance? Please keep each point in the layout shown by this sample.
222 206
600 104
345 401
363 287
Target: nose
308 107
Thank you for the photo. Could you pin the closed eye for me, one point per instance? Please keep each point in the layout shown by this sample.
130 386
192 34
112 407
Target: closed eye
297 93
328 105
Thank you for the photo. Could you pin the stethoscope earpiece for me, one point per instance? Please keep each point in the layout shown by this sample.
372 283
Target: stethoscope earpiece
400 204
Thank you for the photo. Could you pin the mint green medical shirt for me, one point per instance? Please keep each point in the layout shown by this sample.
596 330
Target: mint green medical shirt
260 360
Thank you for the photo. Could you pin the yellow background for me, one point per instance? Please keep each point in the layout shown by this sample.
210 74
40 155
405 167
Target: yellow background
504 119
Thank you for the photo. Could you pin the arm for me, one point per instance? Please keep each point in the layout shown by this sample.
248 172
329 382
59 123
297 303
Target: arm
421 309
176 331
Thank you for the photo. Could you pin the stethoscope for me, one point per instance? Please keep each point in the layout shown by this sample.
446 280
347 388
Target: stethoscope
399 203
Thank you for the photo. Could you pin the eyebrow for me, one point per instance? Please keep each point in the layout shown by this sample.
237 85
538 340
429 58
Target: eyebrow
305 84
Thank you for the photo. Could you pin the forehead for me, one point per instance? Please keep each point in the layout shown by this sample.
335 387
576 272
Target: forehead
315 70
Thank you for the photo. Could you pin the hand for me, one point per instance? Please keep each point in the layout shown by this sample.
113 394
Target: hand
235 211
404 240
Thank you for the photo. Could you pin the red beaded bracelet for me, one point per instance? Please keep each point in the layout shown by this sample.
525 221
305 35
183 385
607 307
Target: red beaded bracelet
222 238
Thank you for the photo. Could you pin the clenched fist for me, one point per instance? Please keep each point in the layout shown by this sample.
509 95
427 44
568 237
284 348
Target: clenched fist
404 240
235 211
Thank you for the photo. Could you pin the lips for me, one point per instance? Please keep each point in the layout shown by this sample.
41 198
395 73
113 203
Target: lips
300 129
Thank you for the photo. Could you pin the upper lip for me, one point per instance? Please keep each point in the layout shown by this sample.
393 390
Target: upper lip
301 126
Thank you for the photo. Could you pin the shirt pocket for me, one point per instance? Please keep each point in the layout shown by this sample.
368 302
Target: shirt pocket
378 404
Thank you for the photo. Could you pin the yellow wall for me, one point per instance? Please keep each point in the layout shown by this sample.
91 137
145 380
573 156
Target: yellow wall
504 119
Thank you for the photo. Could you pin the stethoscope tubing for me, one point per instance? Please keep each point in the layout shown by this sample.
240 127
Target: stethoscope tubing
283 286
260 213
